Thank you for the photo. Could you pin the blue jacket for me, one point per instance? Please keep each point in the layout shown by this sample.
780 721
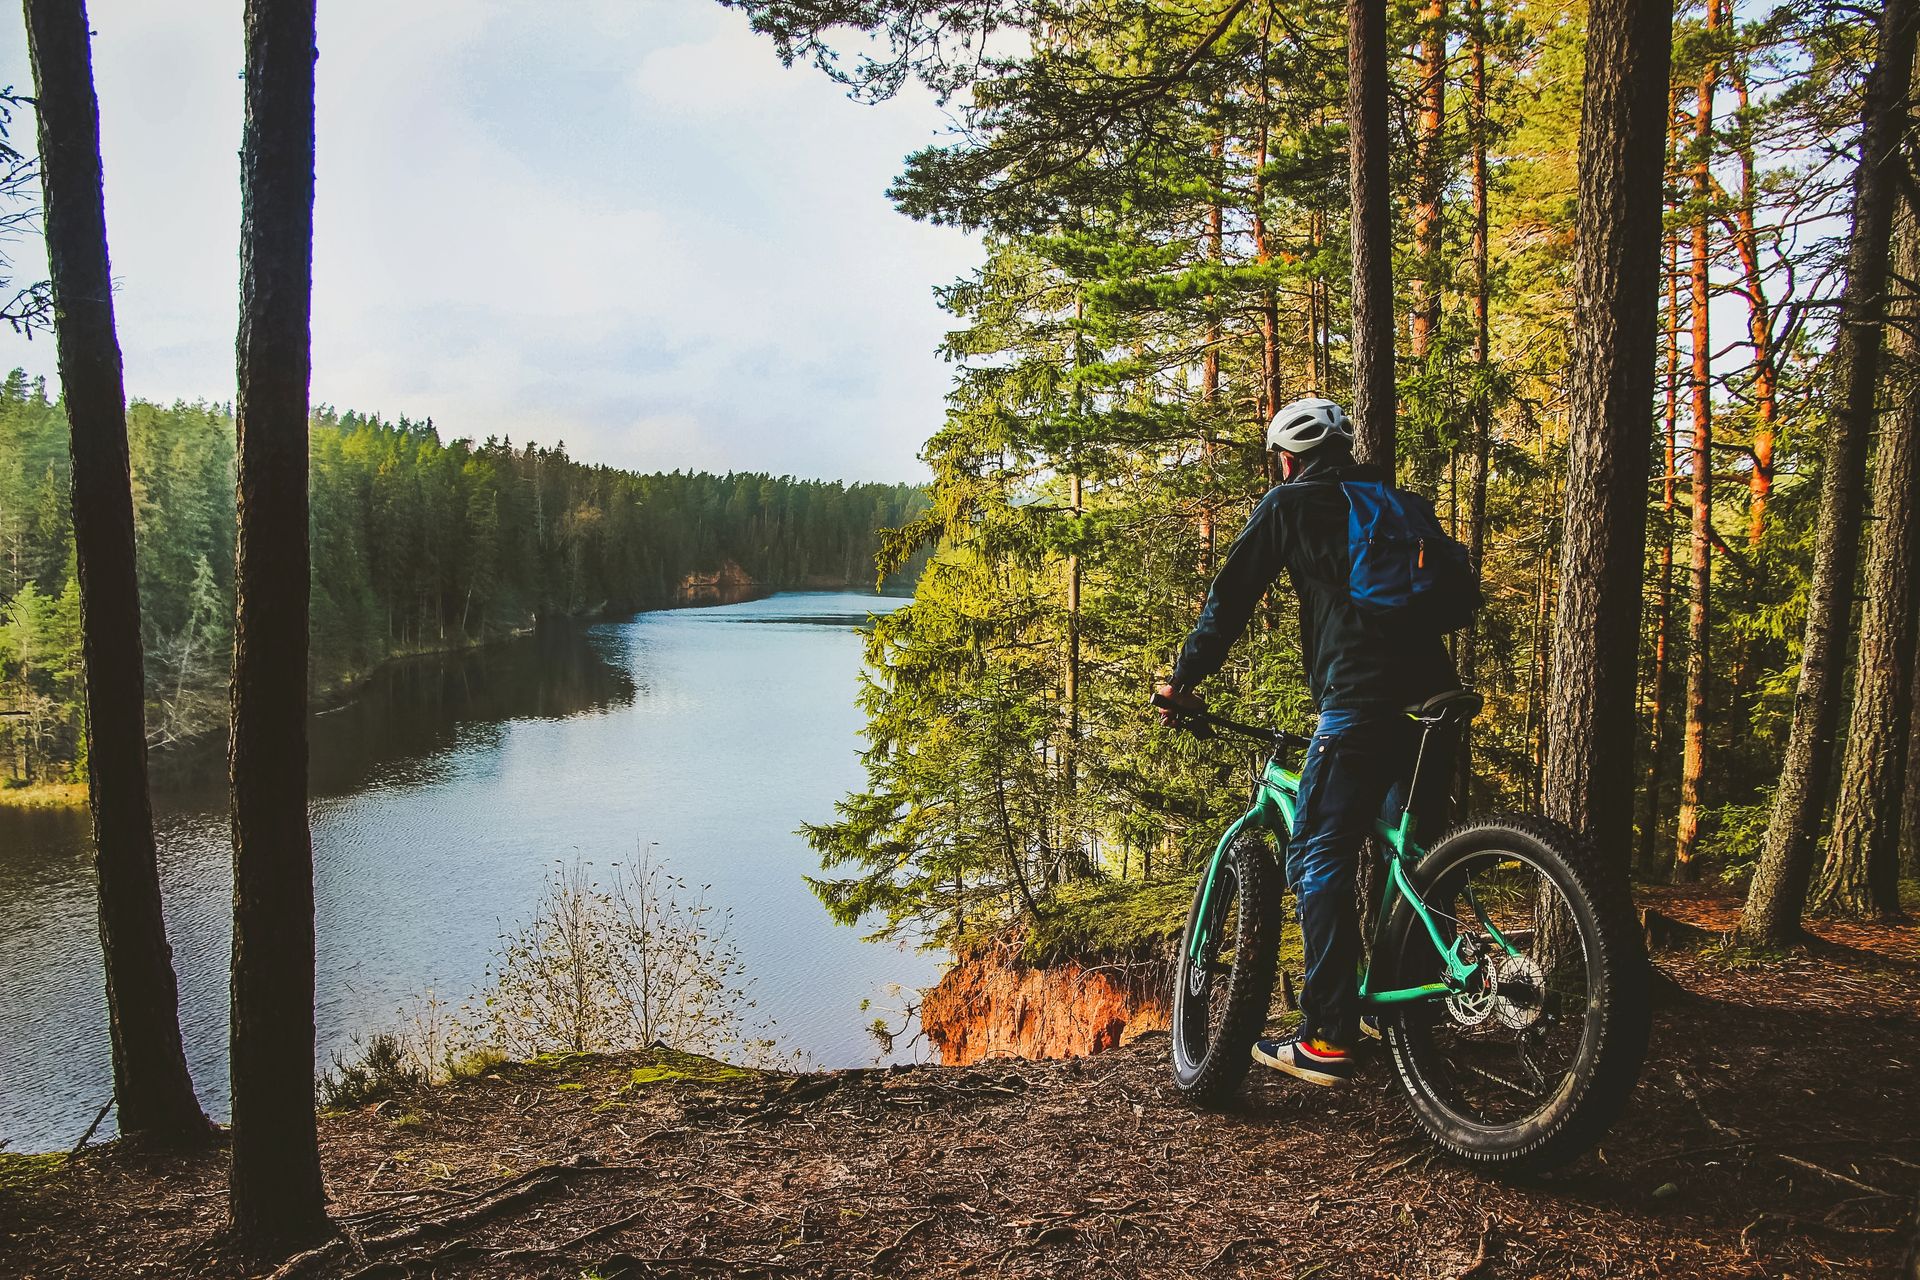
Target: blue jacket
1353 660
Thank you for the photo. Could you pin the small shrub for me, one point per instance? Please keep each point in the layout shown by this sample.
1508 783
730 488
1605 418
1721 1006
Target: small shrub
383 1066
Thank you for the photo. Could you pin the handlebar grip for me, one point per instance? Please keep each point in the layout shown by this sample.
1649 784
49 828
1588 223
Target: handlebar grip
1162 700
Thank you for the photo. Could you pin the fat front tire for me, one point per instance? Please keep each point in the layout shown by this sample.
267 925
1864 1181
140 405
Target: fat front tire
1603 1024
1220 1007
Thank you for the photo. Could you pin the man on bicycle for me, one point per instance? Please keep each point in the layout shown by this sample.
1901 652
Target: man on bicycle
1363 672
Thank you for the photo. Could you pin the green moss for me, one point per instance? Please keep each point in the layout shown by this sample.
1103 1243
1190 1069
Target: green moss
20 1171
670 1066
471 1066
1120 919
571 1084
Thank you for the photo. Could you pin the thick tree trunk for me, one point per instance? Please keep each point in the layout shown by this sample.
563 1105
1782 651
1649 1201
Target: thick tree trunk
150 1080
1693 764
1482 411
1779 890
1588 775
1373 373
1663 587
1910 803
1862 875
276 1196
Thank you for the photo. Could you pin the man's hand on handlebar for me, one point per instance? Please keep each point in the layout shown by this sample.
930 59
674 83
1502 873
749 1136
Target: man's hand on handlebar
1172 704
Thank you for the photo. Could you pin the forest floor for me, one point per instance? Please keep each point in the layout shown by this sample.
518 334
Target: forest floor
1776 1133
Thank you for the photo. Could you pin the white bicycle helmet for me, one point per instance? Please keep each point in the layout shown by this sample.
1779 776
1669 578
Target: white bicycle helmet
1305 425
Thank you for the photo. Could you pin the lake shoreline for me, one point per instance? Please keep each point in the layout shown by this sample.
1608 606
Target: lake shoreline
331 697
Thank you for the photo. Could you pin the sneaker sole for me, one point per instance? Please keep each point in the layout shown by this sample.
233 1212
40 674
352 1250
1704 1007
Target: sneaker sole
1298 1072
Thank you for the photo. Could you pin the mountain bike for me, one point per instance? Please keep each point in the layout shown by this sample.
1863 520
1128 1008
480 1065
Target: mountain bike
1506 974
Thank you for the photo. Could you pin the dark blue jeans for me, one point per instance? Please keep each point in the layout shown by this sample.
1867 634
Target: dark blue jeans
1355 771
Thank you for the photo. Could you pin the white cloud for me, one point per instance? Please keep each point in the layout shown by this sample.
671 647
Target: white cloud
621 223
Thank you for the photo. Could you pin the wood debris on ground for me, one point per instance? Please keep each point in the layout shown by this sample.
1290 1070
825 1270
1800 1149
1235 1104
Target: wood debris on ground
1776 1134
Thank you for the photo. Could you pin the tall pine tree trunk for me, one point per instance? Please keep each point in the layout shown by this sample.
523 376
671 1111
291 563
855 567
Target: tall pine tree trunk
1909 851
1588 770
1373 374
1862 875
1269 302
276 1196
1779 890
1693 764
1430 159
1482 411
150 1080
1766 373
1663 584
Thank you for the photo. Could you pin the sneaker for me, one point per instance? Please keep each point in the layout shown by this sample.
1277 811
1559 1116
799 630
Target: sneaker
1306 1058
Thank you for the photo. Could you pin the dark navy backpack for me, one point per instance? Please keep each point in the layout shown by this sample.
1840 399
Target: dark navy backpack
1404 568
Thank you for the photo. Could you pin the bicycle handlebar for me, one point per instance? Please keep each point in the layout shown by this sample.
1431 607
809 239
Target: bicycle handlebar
1195 722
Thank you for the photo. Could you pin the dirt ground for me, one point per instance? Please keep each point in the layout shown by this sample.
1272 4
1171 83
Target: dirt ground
1776 1133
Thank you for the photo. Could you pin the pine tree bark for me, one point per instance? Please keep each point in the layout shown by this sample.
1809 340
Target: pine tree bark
1430 159
1588 769
1910 803
276 1197
1693 764
1482 411
1862 874
1663 586
1779 889
1269 301
1373 373
1766 373
151 1085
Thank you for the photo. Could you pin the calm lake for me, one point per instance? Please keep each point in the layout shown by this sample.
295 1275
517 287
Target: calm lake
443 793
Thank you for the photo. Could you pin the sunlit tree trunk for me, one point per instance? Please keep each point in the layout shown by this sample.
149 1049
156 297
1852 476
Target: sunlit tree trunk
1373 372
1779 890
1588 771
1862 875
276 1196
1663 584
1693 765
1430 159
1766 374
150 1082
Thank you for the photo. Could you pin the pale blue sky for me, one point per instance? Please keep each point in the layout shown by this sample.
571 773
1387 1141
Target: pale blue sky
615 222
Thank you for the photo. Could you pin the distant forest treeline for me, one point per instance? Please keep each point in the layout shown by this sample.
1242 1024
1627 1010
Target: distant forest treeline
418 545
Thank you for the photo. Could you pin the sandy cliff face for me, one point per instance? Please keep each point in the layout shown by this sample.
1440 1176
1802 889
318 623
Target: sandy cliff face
991 1006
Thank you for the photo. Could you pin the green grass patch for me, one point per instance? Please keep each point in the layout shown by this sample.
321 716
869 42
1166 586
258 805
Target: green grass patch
21 1171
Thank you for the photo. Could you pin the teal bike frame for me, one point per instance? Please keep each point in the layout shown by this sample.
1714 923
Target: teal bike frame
1275 808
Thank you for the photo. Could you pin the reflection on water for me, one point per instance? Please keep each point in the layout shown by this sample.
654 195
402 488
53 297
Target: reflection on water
442 794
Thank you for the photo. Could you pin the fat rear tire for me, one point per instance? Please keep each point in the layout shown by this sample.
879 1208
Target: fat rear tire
1617 1019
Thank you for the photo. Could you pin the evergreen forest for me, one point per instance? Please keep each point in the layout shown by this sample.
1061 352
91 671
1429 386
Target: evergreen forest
419 545
1164 193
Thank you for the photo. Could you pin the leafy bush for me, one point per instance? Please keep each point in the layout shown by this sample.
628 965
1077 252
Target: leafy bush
378 1068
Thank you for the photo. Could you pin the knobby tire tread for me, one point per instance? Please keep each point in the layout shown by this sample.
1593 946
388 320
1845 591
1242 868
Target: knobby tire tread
1250 991
1624 1025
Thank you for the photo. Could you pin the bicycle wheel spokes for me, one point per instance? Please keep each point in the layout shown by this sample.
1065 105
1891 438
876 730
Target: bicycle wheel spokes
1505 1049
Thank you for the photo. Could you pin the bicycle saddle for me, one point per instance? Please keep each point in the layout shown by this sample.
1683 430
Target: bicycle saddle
1454 704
